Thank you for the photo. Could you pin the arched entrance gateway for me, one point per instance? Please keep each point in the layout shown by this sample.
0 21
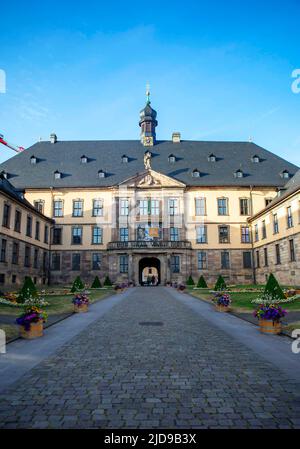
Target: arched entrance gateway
149 269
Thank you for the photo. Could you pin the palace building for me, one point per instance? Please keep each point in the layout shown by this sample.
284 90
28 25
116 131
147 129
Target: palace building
137 208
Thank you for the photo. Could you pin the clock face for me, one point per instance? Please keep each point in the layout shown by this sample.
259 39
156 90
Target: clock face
148 140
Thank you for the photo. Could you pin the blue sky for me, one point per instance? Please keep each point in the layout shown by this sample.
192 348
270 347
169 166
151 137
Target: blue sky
218 70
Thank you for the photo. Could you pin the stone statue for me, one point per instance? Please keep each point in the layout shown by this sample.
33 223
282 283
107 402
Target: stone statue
147 160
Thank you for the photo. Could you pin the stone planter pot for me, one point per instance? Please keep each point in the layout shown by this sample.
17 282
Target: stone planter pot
270 327
35 331
181 291
81 309
221 308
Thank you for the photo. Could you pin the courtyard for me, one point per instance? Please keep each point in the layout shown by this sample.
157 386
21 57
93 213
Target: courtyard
151 358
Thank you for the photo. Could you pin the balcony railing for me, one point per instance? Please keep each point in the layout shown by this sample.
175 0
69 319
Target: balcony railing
155 244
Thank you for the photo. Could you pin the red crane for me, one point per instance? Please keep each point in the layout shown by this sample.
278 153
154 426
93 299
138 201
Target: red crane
9 145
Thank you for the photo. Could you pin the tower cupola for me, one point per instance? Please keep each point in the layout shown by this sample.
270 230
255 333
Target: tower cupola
148 122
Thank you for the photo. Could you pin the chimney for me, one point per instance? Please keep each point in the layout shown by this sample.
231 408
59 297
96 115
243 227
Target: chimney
53 138
176 137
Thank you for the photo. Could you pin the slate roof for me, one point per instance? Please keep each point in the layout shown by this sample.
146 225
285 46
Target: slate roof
7 188
292 186
64 156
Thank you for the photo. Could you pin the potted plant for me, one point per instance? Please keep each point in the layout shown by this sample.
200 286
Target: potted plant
31 322
269 313
118 288
81 302
181 288
222 302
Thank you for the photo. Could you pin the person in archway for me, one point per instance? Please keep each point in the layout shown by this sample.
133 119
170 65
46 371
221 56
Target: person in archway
153 280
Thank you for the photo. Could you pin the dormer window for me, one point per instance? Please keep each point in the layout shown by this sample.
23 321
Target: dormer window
212 158
255 159
101 174
239 174
285 174
172 159
195 173
33 160
124 159
57 174
4 174
83 159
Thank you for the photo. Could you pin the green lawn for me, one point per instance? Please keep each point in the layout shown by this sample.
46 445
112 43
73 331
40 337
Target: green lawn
58 303
242 301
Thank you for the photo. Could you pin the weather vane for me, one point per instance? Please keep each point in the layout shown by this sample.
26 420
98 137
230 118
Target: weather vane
148 93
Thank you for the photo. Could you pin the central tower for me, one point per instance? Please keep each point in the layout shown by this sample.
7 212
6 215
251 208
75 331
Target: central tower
148 122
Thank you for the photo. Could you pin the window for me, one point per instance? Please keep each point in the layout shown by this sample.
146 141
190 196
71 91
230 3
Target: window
29 226
6 215
257 259
58 208
266 257
77 208
173 206
46 234
174 234
285 174
289 217
3 250
222 206
245 234
212 158
275 224
124 264
255 159
225 263
224 234
13 279
244 206
96 261
124 206
247 259
15 253
83 159
97 235
55 262
268 201
154 207
124 159
238 173
263 230
45 261
202 260
172 158
57 236
76 235
57 175
278 255
256 236
124 234
18 217
200 206
35 258
201 234
196 173
143 207
39 205
292 251
97 208
75 262
175 264
2 278
27 256
101 174
37 230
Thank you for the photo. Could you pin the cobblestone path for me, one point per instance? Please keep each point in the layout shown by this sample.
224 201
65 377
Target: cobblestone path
183 373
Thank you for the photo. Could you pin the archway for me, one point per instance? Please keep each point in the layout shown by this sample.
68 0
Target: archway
149 267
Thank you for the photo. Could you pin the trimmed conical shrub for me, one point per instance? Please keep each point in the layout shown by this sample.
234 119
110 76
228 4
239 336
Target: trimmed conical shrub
28 290
96 283
190 281
107 282
77 285
202 282
273 288
220 284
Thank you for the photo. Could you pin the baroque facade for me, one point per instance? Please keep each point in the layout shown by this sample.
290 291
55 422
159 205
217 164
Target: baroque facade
129 208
